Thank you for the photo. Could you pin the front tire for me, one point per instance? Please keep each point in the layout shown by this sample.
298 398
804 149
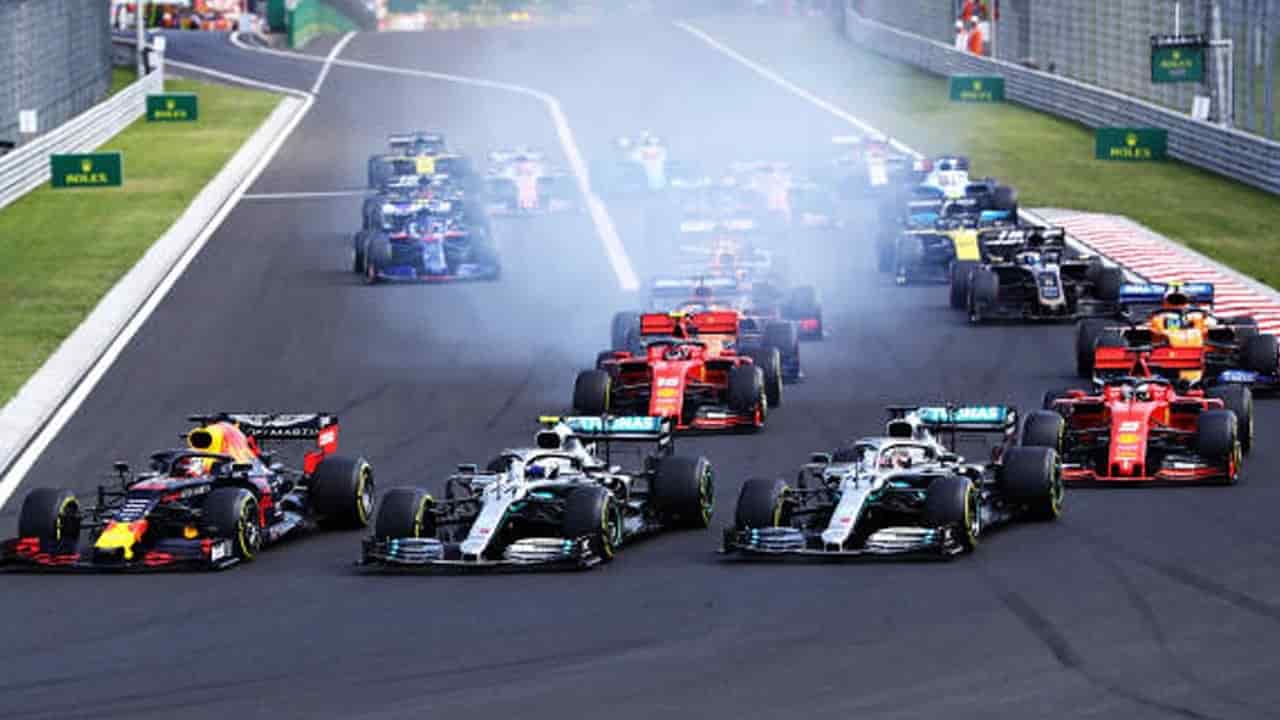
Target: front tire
761 504
1238 399
953 503
961 271
1032 478
233 514
593 513
50 514
591 392
405 513
683 491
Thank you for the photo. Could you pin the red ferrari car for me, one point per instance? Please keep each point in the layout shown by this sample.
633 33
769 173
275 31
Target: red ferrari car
1142 430
688 371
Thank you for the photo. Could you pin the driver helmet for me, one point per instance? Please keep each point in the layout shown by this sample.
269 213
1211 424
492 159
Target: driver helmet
1174 298
190 467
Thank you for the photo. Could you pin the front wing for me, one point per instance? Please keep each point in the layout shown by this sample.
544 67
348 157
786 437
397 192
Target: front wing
35 555
779 542
430 554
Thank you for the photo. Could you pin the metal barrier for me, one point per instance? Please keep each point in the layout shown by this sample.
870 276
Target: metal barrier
1248 158
27 167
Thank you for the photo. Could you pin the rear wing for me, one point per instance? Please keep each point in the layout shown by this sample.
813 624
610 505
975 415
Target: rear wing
687 287
711 322
1199 293
639 428
275 426
967 418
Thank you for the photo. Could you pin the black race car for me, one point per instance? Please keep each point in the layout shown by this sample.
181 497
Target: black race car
207 506
1029 274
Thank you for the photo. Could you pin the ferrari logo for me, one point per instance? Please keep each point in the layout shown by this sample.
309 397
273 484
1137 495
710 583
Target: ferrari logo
86 165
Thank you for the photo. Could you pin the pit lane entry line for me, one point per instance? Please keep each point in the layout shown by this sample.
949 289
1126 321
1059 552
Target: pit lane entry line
600 218
27 457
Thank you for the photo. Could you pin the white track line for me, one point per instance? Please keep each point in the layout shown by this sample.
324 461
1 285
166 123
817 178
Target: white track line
304 195
23 463
328 62
605 229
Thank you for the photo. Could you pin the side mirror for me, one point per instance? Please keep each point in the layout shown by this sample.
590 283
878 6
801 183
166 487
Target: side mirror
820 458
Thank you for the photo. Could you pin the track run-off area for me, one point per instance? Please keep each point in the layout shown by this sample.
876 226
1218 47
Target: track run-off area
1138 603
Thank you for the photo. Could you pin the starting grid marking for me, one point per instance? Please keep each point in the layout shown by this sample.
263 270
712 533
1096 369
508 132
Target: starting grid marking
1162 261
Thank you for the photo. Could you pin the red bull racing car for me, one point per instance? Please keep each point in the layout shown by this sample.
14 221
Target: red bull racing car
208 505
689 371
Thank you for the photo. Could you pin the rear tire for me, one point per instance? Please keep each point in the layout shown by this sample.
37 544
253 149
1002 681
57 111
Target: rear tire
1087 334
683 490
1107 285
1259 354
341 492
960 275
1032 478
233 513
761 504
593 512
50 514
984 292
405 513
1238 399
746 389
591 392
1044 429
953 503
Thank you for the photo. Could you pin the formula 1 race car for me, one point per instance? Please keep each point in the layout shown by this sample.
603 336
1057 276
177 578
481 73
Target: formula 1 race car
562 503
433 244
640 164
904 494
689 371
1027 274
520 182
1182 339
865 167
1142 430
766 318
421 154
209 505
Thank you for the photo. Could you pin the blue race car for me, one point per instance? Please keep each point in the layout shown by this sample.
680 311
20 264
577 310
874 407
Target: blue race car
432 244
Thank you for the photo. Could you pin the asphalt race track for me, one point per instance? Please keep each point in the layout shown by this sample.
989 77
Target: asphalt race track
1143 603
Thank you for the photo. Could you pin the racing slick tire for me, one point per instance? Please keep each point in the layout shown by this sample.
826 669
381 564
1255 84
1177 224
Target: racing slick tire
984 292
592 512
405 513
51 514
377 251
762 503
624 330
1260 354
1087 333
359 245
683 491
1217 439
782 334
592 391
1106 286
1032 478
341 492
746 389
960 274
1238 399
233 514
1243 327
1004 197
953 502
769 360
1044 429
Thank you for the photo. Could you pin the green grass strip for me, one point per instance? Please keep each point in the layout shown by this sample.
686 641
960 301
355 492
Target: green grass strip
61 250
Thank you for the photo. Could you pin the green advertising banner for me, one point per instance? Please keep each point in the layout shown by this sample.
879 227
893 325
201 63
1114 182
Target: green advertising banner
1135 144
104 169
1177 58
173 107
977 88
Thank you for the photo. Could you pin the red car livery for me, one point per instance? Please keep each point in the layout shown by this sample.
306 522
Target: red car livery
689 371
1142 430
